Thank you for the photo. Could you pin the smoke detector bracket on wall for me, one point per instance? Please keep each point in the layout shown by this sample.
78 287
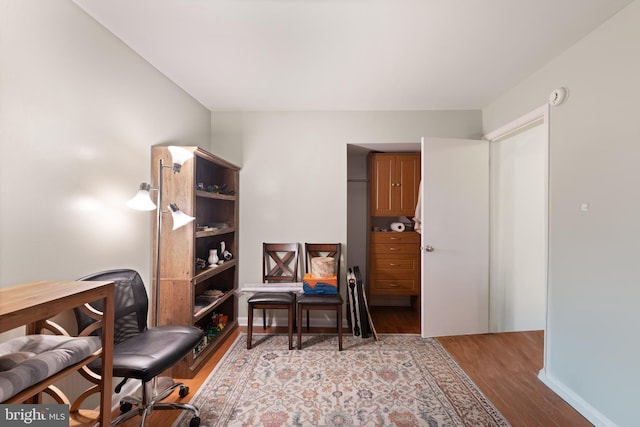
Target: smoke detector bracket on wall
558 96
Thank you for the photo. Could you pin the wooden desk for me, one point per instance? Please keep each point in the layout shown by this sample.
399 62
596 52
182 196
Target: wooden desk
30 303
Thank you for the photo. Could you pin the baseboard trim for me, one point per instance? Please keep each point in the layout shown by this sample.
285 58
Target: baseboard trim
579 404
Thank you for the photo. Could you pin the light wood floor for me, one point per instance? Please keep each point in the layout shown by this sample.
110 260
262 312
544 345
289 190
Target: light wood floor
503 366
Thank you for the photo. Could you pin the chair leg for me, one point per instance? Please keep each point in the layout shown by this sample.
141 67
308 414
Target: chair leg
249 325
308 320
339 316
299 316
264 319
295 316
291 311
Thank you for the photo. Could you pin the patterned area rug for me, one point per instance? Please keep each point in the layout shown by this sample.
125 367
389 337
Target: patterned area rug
403 380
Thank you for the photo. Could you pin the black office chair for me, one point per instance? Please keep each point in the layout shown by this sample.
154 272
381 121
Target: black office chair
279 264
140 352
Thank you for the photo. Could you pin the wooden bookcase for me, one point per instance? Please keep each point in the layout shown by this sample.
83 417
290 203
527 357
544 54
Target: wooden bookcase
207 188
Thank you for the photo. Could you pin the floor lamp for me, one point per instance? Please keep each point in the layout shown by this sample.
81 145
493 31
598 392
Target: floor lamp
142 201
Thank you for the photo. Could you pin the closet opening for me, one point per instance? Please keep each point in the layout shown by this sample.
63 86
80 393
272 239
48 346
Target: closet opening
394 304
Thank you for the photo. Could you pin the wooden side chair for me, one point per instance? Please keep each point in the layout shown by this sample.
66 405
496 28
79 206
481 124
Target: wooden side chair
280 264
321 301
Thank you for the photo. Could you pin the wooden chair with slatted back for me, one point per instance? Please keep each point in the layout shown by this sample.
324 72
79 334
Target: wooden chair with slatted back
280 264
321 301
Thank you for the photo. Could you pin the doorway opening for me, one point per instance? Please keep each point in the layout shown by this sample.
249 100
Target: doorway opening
519 223
525 137
392 314
518 249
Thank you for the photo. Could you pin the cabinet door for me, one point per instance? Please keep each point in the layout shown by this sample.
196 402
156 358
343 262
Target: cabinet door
395 179
382 170
407 180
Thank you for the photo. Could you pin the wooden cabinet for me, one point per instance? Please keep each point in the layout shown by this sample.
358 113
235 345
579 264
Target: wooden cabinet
394 263
394 180
207 188
394 257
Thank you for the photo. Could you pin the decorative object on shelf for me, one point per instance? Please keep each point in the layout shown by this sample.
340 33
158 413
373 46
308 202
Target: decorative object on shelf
213 328
219 321
224 253
201 264
218 188
208 298
210 295
142 201
213 257
212 227
397 226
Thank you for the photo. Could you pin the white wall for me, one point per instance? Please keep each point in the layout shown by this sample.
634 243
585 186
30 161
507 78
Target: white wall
79 112
293 181
592 337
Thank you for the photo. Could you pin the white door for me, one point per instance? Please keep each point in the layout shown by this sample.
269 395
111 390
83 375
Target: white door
455 237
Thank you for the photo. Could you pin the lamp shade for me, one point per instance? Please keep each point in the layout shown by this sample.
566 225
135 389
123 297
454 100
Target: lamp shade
142 200
179 155
180 218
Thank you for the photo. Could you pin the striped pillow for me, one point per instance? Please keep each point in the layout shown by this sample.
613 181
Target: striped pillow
25 361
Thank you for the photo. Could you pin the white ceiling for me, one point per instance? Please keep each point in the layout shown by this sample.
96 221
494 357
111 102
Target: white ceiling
260 55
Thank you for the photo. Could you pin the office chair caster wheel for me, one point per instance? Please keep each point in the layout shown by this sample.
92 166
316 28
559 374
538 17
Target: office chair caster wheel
184 390
195 422
125 407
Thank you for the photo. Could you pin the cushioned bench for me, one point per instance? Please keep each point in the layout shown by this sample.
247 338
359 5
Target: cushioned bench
25 361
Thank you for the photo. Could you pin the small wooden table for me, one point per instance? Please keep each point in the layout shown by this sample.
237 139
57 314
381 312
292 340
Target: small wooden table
30 303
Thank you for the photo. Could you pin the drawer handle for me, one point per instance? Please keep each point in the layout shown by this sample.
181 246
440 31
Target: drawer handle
393 285
394 249
393 264
394 238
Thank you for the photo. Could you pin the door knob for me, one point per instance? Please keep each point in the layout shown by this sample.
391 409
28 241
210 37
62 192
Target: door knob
429 248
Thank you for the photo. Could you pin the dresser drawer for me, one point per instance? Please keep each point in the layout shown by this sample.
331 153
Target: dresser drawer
395 237
395 264
387 286
394 249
